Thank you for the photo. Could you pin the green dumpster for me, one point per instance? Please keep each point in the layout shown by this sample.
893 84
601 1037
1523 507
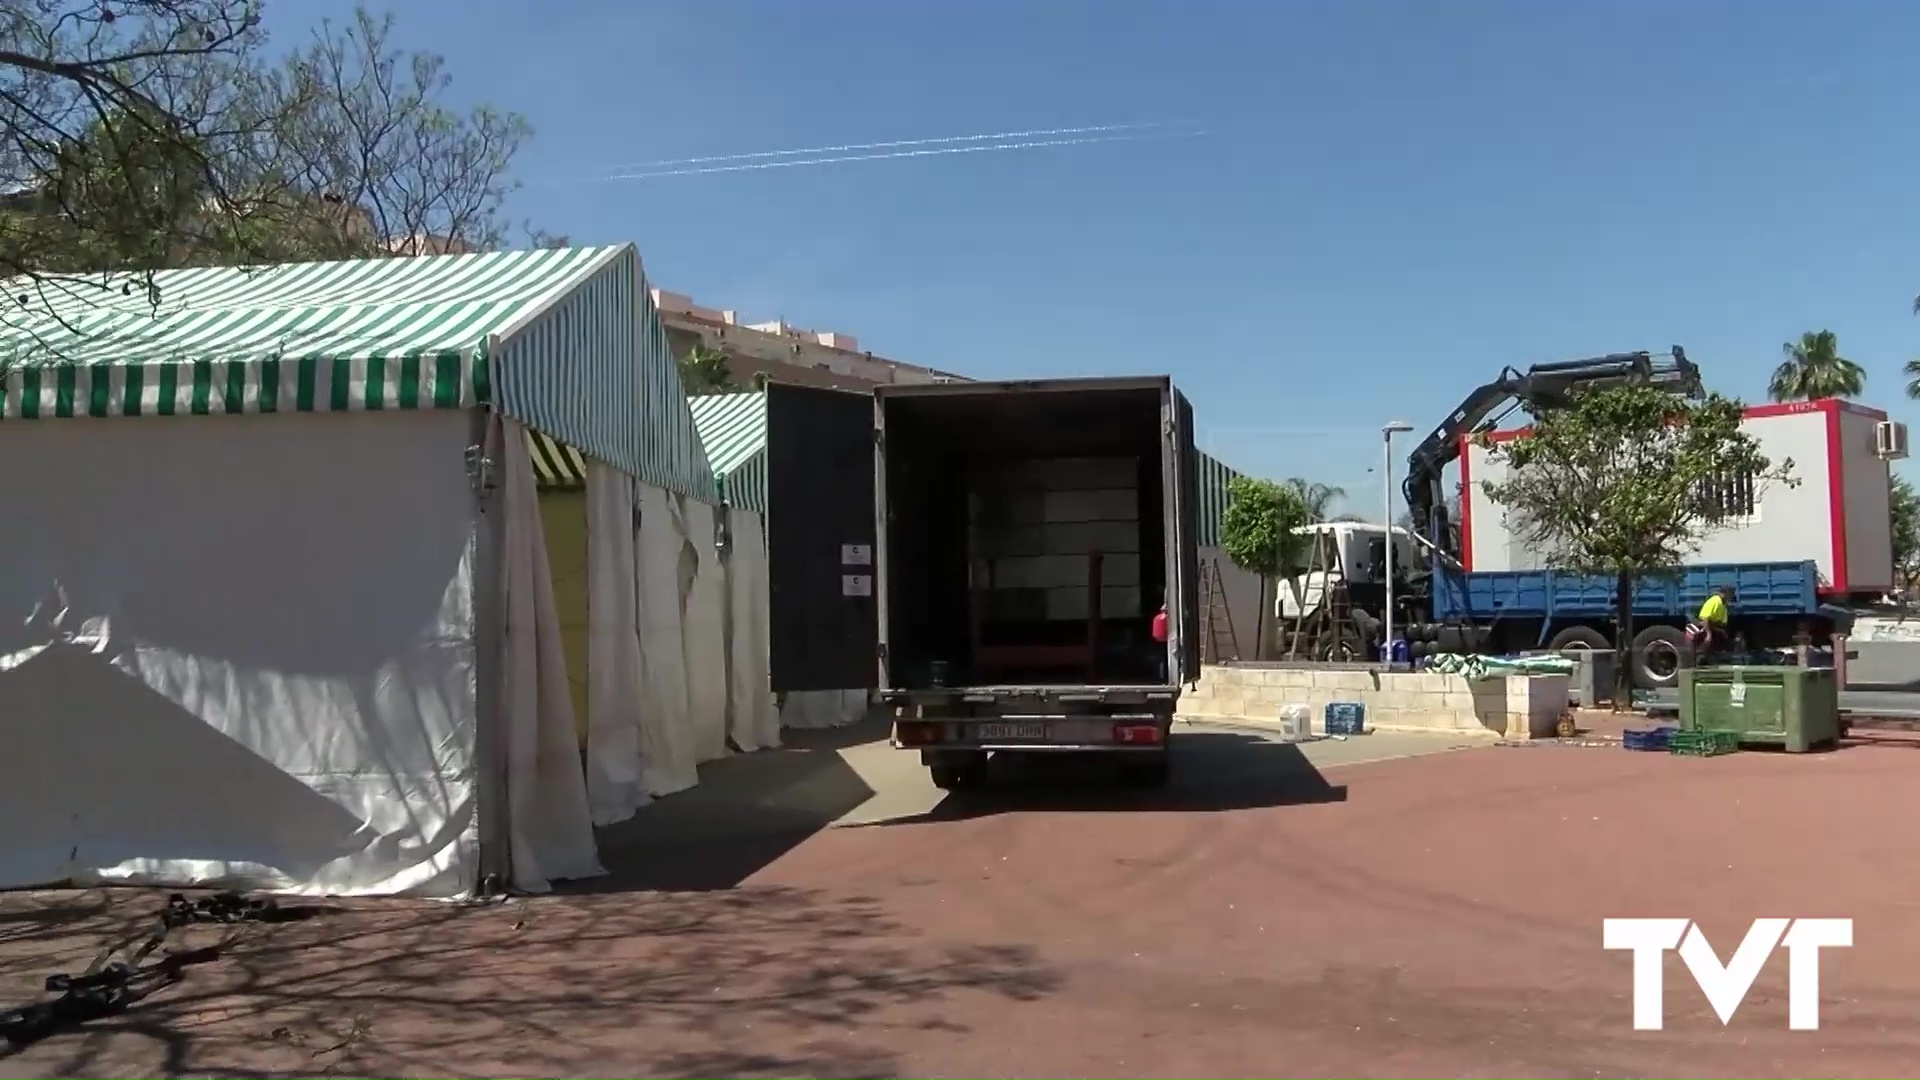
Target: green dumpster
1795 707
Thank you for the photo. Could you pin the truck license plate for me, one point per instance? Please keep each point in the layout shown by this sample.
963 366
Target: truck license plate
993 732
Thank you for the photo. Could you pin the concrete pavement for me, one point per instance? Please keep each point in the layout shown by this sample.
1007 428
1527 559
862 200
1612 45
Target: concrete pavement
1266 915
1207 758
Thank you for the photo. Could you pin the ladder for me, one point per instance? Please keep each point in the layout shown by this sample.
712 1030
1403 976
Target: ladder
1216 617
1326 632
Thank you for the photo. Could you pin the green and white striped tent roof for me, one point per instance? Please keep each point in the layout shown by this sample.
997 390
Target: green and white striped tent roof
733 427
567 341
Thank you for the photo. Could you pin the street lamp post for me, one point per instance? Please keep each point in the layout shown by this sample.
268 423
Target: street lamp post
1387 432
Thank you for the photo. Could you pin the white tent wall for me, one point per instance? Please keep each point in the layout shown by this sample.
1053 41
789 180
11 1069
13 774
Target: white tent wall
549 830
616 671
657 682
669 753
240 650
703 632
752 719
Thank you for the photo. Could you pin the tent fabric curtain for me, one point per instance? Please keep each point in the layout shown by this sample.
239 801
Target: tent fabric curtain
752 719
616 683
669 752
549 830
703 605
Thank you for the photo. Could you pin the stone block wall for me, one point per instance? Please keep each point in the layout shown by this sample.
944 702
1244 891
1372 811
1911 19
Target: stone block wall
1515 707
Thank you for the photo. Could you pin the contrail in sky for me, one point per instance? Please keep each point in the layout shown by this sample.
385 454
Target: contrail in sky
932 152
1046 133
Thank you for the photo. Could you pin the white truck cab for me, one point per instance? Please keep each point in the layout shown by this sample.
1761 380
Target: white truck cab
1353 551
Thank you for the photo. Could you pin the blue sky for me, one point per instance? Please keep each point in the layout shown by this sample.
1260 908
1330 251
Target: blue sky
1391 201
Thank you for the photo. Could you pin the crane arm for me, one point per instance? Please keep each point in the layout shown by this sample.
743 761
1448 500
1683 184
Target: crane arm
1542 386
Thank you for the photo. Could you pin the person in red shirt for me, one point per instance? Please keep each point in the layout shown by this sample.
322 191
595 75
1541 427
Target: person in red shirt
1160 637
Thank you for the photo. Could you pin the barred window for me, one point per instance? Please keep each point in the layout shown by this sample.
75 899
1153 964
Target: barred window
1728 495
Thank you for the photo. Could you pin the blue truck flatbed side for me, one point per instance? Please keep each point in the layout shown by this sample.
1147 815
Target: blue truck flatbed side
1781 589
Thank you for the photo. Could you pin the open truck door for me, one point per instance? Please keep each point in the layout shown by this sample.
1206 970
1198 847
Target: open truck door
823 625
1182 472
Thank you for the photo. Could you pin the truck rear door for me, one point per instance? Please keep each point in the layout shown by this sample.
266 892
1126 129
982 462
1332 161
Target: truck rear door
1182 472
823 622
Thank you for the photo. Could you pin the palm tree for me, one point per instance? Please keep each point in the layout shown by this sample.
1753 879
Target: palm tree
1814 368
1319 498
1912 371
705 370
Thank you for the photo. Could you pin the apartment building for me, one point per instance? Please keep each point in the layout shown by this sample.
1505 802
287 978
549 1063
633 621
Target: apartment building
783 352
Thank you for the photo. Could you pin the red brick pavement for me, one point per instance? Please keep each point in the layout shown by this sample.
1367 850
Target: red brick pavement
1443 920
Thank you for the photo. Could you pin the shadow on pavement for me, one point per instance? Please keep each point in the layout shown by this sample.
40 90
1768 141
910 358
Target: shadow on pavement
756 981
748 810
1212 771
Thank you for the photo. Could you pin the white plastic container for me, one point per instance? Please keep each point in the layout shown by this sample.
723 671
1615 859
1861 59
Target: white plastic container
1296 723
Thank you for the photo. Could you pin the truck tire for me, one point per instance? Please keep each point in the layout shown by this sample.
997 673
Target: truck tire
1152 771
1579 638
1656 657
1337 645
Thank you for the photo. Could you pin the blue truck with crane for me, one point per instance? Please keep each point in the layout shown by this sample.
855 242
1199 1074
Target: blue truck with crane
1442 606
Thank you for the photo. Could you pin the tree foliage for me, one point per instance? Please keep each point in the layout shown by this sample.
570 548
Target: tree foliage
1257 533
705 370
353 119
1911 369
1813 368
1257 528
1629 480
144 134
1316 497
1904 505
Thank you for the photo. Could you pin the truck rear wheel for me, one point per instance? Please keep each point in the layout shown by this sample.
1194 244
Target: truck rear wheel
1656 657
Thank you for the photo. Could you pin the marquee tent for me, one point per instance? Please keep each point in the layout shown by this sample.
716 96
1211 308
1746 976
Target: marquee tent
276 609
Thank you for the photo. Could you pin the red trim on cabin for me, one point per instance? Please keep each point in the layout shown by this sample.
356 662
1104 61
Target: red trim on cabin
1508 436
1830 406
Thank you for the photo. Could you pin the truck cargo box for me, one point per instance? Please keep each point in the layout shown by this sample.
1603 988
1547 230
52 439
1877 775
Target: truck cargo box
1553 597
1011 533
1032 530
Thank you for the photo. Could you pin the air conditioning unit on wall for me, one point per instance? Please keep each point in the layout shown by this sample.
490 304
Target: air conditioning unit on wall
1890 440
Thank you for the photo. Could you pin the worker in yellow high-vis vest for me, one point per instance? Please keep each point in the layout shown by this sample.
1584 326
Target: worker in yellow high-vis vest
1713 617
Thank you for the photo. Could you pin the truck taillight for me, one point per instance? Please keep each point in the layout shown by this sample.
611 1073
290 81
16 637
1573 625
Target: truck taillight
1136 734
917 733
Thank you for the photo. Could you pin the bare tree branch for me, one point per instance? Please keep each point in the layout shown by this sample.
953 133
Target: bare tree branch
145 134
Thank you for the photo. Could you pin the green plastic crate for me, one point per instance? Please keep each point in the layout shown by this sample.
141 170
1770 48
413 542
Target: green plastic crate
1703 743
1794 707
